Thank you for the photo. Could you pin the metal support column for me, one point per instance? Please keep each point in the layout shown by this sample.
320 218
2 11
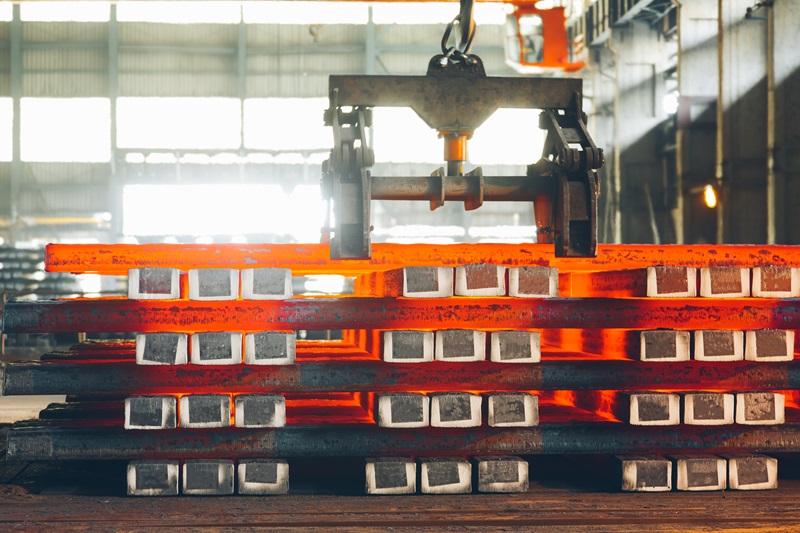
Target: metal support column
742 124
784 151
17 170
241 70
371 47
115 185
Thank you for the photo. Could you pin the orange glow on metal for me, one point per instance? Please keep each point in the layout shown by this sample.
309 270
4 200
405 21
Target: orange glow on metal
455 144
589 334
306 259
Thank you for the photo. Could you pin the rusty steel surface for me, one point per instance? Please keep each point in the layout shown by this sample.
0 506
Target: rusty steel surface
442 101
124 378
122 315
58 440
315 258
461 188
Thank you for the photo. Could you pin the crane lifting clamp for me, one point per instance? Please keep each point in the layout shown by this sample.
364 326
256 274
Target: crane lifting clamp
455 97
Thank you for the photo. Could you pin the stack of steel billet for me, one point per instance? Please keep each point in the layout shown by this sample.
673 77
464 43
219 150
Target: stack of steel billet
455 362
214 408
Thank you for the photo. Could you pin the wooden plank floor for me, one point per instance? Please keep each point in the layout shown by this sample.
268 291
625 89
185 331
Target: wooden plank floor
327 495
542 507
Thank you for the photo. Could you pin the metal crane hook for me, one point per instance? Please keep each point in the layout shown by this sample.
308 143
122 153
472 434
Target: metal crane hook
466 33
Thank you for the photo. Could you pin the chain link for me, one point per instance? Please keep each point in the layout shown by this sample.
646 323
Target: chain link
452 53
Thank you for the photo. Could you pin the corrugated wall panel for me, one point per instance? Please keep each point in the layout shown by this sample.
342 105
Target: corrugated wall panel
54 201
5 84
431 34
65 84
303 64
288 35
404 34
277 85
144 33
5 188
45 174
181 84
167 61
61 59
58 32
404 63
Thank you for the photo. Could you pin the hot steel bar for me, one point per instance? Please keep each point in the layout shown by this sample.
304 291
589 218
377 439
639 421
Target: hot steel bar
376 376
461 188
315 258
46 442
605 284
184 316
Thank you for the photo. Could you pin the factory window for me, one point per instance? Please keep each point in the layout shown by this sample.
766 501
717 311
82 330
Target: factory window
179 123
6 11
286 124
186 12
305 13
230 209
65 129
65 11
6 119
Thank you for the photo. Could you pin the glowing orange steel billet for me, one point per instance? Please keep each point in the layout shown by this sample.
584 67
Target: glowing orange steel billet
121 315
315 258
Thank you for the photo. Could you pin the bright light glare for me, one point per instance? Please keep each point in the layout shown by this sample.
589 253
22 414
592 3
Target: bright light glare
670 103
421 230
223 210
79 240
185 12
65 129
421 240
6 11
91 284
199 123
710 196
503 232
325 284
434 13
305 13
401 136
286 123
64 11
508 137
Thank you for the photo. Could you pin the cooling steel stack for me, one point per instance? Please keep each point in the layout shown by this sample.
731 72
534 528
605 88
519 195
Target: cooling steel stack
455 364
